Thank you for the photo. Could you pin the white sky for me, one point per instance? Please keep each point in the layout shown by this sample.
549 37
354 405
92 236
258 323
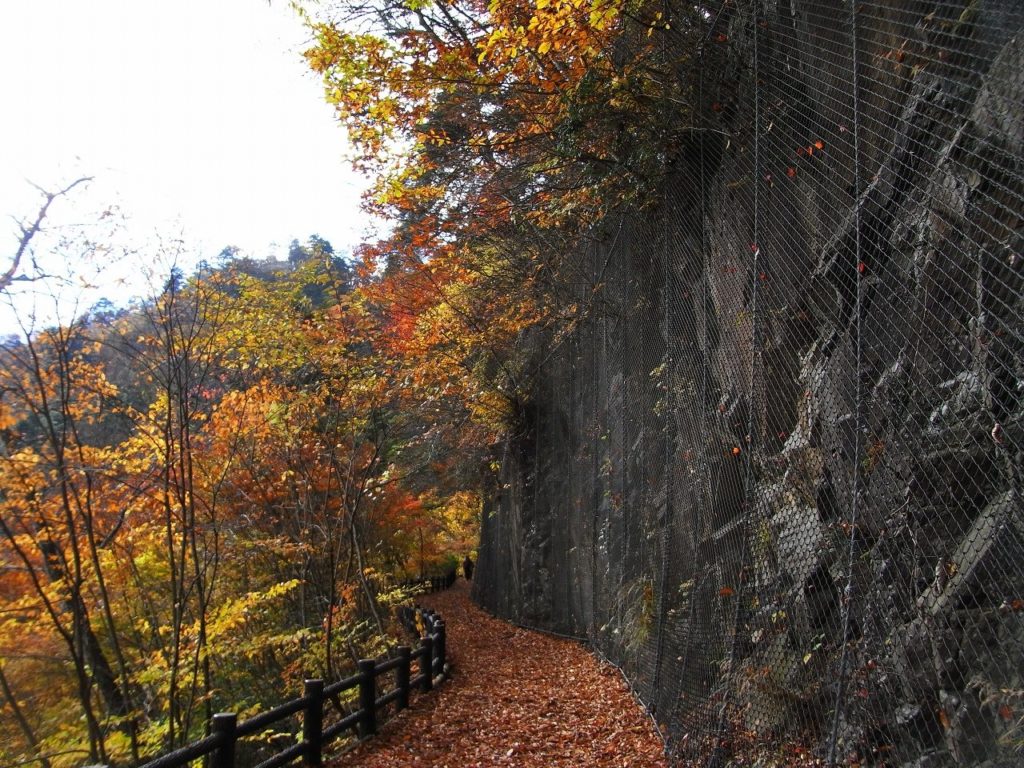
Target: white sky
197 117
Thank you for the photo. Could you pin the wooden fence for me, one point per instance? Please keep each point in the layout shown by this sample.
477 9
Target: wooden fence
225 731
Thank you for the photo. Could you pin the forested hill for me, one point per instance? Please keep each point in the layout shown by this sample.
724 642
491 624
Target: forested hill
207 498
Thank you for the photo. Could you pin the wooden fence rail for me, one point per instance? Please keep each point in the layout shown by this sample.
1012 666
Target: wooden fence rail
225 730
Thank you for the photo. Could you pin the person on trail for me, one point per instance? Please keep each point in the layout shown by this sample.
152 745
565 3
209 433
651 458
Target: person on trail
467 568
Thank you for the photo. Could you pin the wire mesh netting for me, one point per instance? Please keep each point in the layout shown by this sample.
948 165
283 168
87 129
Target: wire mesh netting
775 474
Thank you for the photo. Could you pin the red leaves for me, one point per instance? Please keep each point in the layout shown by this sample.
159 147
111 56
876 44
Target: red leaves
516 698
805 152
809 150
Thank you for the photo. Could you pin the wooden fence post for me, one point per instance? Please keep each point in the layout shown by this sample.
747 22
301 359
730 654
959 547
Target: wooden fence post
224 725
368 697
402 675
313 723
427 663
441 644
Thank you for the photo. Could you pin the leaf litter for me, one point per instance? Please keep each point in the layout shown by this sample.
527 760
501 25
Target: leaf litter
515 698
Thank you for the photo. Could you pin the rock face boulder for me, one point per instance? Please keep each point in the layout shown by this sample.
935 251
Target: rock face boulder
776 472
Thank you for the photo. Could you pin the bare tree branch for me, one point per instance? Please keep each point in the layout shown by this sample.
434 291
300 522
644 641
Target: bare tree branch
30 230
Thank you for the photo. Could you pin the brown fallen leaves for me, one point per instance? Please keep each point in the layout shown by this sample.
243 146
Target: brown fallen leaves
516 698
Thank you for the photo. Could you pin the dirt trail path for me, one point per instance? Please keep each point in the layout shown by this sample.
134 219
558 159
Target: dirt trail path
516 698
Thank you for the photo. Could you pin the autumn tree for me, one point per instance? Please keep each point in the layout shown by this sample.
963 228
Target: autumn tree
501 136
55 526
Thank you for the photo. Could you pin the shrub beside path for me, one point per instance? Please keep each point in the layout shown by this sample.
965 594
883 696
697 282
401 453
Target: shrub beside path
516 698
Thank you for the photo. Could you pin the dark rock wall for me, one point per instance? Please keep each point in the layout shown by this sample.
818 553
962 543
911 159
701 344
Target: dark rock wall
776 473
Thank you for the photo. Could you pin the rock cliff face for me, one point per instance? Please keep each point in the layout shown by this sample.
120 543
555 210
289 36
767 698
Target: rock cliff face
776 473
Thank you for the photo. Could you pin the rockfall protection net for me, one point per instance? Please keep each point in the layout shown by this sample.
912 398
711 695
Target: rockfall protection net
776 473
